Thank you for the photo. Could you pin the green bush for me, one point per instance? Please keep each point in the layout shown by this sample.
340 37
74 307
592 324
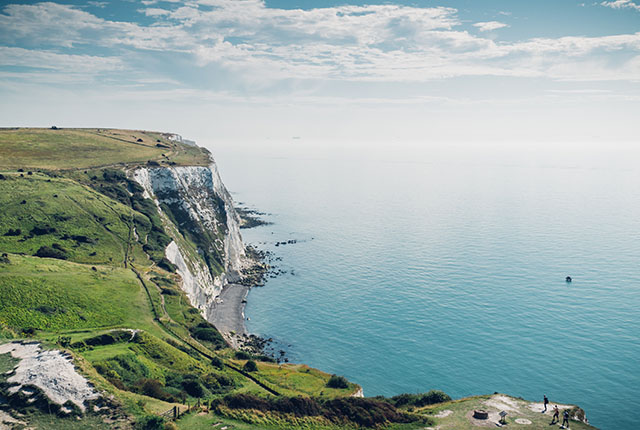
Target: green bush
250 366
337 382
217 362
113 175
207 332
373 413
12 232
430 398
150 422
242 355
167 265
192 386
48 252
153 388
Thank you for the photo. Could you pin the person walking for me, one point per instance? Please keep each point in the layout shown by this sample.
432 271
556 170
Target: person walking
546 402
565 419
556 415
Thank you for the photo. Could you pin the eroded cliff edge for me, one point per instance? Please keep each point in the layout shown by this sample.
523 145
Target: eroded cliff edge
198 213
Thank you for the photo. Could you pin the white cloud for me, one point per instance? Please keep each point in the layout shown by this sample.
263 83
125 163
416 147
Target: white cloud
100 4
152 11
489 25
621 4
69 64
255 45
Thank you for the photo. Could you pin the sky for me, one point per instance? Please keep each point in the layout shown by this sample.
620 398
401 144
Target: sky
324 70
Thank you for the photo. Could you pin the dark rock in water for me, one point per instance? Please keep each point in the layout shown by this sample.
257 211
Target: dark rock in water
568 279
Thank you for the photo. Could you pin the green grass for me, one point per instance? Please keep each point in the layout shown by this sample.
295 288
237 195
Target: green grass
196 421
39 148
54 295
85 221
68 149
300 379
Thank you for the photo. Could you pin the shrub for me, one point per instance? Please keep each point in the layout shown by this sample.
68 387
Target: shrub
192 386
337 382
364 412
250 366
299 406
150 422
217 362
242 355
430 398
209 334
153 388
39 231
247 401
47 252
167 265
82 239
64 341
58 247
113 175
12 232
170 426
169 292
433 397
374 413
108 338
266 359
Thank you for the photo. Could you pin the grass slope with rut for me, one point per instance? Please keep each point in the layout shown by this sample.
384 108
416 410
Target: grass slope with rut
82 269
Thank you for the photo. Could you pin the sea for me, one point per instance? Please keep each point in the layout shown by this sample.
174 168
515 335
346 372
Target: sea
418 266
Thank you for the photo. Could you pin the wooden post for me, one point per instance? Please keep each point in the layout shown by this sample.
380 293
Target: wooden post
175 413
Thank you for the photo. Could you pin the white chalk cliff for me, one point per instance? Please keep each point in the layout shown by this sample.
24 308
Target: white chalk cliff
198 214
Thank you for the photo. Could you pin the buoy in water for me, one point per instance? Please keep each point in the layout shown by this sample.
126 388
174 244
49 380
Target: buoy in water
568 279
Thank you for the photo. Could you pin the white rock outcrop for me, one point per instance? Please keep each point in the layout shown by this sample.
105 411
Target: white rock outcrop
51 371
197 192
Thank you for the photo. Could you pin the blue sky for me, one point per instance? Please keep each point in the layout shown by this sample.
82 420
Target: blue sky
470 70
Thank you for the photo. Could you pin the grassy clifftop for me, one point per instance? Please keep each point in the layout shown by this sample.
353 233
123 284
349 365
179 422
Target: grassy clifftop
39 148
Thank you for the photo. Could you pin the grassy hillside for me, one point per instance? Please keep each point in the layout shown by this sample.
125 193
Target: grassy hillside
39 210
54 295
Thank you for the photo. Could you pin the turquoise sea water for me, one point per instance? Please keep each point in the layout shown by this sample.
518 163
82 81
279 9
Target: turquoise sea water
445 268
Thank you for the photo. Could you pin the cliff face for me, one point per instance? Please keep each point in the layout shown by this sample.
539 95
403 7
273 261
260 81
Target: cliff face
198 213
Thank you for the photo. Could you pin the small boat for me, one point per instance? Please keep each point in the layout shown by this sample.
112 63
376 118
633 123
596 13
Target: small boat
568 279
